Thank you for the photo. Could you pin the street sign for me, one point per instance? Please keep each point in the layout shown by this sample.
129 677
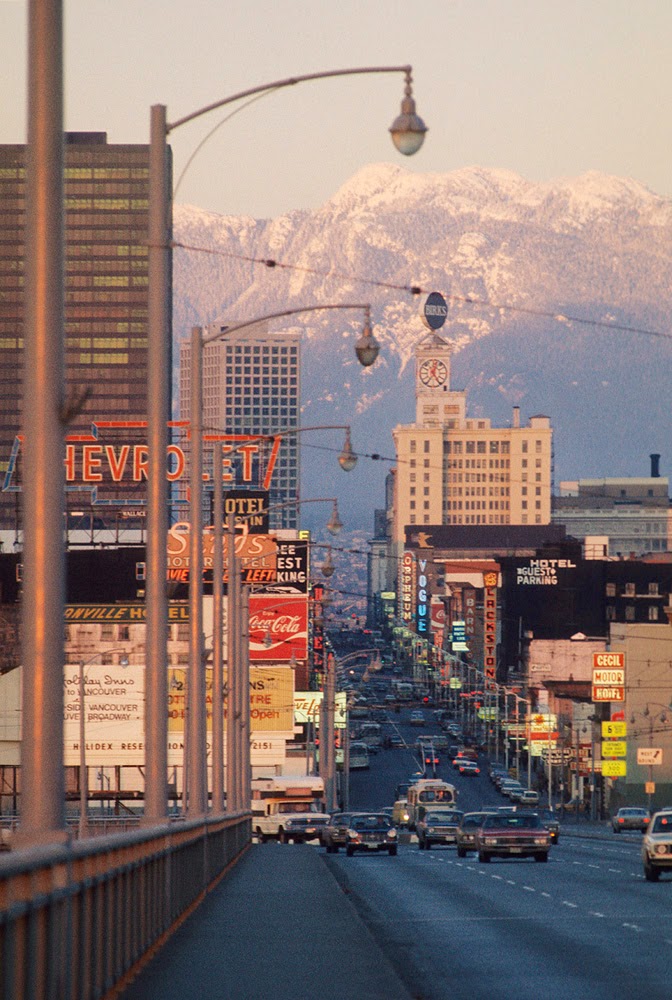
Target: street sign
609 661
614 730
614 768
614 748
608 692
650 756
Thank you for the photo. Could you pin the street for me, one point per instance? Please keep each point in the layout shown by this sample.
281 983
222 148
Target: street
587 925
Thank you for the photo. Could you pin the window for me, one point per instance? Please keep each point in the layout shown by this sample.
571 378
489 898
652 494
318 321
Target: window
630 612
426 447
629 590
611 613
610 590
653 589
653 613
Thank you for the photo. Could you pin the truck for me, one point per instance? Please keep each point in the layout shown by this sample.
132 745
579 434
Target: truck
288 808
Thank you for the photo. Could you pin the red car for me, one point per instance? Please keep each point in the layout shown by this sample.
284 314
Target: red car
506 835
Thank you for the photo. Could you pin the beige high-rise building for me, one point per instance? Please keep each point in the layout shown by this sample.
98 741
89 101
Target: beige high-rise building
452 469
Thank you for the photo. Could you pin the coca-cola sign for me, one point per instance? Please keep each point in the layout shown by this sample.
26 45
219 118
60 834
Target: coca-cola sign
278 628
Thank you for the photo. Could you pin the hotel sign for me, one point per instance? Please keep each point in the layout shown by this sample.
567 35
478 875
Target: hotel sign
257 554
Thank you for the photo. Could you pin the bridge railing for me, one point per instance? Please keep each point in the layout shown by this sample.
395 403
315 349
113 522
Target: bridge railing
80 919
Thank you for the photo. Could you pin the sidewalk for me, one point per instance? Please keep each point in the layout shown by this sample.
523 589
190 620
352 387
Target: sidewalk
278 926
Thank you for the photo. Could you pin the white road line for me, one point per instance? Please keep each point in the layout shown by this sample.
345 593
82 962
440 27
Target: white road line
528 888
615 871
634 927
547 895
594 913
510 881
574 906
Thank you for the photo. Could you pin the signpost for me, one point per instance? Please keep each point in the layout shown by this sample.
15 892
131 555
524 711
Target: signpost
608 677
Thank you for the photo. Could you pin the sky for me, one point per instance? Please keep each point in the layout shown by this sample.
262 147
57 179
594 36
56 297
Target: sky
542 87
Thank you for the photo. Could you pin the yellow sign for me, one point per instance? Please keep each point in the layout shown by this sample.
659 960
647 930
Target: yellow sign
271 699
613 768
614 730
614 748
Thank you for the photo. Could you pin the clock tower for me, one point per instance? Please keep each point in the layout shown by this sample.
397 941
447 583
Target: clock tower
432 376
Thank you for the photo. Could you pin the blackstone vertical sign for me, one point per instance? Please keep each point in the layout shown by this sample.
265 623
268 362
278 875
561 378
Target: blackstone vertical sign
490 625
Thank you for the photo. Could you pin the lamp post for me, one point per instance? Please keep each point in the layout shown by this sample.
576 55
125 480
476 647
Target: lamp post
83 771
195 738
408 132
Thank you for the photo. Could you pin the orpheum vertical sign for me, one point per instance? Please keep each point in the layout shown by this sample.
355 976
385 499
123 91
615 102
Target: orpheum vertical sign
490 625
407 588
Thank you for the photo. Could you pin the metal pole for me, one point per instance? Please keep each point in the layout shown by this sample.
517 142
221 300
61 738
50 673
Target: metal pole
218 636
506 729
159 350
328 748
196 792
528 711
231 679
245 764
42 799
83 771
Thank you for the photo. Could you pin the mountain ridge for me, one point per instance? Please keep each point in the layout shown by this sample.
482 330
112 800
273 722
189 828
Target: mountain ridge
538 276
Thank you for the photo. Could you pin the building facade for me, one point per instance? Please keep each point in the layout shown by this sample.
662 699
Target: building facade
251 386
451 469
106 190
632 513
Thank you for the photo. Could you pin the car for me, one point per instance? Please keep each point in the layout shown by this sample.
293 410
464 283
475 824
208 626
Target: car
335 832
299 829
396 741
466 832
529 797
507 835
630 818
437 826
371 832
468 768
550 821
400 812
417 718
657 846
507 787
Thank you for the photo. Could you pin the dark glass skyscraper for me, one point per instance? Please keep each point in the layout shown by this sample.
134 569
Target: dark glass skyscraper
106 294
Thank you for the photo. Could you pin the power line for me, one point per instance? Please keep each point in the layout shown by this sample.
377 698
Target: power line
415 290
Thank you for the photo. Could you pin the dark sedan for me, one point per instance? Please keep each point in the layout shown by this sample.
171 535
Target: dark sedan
371 832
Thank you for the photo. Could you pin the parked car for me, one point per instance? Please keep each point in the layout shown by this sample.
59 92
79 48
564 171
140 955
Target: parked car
438 826
519 834
335 833
465 838
550 821
657 846
630 818
371 832
529 797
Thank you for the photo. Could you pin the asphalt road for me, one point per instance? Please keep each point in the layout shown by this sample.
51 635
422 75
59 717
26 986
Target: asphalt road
586 925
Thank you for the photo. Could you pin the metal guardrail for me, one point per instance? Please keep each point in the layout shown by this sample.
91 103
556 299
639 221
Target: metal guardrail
79 920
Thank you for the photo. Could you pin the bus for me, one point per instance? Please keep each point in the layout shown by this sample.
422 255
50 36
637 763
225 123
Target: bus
429 791
359 756
371 734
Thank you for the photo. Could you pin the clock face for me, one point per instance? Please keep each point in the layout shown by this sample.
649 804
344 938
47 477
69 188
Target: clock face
433 372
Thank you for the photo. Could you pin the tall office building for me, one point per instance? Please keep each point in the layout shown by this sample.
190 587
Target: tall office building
251 386
452 469
106 292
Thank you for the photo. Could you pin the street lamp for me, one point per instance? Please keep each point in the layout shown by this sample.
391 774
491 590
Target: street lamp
83 772
408 133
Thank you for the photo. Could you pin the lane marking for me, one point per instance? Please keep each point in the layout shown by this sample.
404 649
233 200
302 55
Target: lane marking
528 888
574 906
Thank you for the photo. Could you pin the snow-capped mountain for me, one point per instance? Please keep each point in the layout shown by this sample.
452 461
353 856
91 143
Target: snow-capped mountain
520 264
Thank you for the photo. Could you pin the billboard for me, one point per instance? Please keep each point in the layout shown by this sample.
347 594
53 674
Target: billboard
278 628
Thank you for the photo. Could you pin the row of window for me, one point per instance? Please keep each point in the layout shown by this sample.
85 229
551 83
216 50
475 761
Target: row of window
653 613
630 589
